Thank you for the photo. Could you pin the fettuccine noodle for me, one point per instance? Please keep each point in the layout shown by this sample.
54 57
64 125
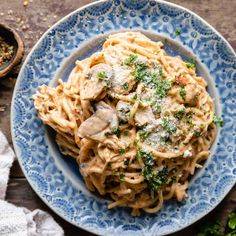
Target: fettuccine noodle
137 121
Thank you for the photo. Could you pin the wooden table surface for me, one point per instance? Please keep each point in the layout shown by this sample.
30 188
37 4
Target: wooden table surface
31 21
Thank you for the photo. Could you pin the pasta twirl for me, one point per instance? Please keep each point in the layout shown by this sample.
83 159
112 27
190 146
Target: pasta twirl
137 121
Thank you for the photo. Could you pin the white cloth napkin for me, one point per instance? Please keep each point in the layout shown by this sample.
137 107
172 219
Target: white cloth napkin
16 221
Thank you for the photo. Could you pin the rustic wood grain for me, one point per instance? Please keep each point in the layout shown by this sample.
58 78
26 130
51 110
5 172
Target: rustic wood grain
31 22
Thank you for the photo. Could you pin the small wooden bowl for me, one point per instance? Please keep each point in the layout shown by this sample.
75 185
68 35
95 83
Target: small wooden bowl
13 38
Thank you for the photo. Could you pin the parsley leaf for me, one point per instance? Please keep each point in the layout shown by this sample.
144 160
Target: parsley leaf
102 75
168 126
232 221
218 120
143 134
131 59
115 130
123 150
125 86
140 70
126 162
122 176
163 87
189 119
179 115
182 93
191 64
155 179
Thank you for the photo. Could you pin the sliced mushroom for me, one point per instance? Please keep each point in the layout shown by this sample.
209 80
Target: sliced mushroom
99 123
144 116
102 67
99 77
123 110
123 80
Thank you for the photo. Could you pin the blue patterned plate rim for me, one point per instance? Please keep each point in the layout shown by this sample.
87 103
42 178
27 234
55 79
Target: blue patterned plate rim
26 172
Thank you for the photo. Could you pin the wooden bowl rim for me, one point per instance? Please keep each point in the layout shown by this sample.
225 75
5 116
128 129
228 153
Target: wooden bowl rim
19 53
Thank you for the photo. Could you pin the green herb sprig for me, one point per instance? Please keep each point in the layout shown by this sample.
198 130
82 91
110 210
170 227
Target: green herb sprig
218 120
168 126
155 179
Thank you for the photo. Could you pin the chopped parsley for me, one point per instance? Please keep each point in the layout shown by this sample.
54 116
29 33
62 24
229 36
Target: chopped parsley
150 79
102 75
169 126
131 59
156 107
182 93
115 130
122 176
174 179
143 134
191 64
125 86
189 119
155 179
177 31
163 87
123 150
218 120
126 162
197 133
135 97
180 114
140 70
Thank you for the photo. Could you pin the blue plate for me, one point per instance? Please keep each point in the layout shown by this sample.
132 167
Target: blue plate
56 179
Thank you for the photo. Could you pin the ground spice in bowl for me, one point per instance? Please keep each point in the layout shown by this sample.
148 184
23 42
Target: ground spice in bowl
6 51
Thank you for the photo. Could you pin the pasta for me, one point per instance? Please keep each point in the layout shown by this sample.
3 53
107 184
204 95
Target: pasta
137 121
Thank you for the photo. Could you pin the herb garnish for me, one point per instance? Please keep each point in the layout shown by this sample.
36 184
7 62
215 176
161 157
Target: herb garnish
122 176
191 64
179 115
168 126
143 134
218 120
126 162
182 93
197 133
189 119
125 86
123 150
115 130
131 59
155 179
140 70
135 97
150 79
102 75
